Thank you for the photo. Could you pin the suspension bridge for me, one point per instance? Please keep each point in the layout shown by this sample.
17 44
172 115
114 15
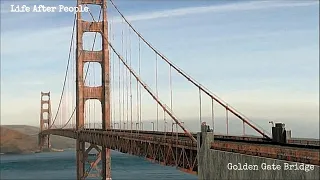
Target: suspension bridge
106 104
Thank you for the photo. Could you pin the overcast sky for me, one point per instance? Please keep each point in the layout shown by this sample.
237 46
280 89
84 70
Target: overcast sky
262 57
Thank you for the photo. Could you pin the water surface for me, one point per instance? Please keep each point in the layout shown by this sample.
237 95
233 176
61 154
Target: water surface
61 165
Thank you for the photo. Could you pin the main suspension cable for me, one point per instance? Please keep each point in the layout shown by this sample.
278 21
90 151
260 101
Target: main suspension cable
193 81
66 72
85 78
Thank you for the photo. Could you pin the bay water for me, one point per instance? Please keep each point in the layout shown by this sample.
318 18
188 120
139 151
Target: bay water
62 165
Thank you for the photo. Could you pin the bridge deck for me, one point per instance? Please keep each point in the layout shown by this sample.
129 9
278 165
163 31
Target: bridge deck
119 140
223 137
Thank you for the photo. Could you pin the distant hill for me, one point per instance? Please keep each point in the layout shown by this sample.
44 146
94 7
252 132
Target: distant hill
24 139
12 141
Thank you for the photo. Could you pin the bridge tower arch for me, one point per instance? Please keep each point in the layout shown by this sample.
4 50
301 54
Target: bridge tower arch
101 93
45 120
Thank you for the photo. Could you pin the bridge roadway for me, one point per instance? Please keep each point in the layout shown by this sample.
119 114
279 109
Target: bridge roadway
177 149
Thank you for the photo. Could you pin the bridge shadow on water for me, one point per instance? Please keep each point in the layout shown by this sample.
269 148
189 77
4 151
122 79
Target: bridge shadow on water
61 165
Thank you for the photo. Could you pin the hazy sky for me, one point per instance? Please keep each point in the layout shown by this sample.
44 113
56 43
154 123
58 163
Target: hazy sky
262 57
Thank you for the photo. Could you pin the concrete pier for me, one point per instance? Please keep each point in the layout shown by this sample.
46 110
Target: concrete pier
220 165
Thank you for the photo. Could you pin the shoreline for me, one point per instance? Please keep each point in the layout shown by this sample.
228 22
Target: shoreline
34 152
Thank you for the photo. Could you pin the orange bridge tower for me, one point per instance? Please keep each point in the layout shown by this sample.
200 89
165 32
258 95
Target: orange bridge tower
45 121
101 93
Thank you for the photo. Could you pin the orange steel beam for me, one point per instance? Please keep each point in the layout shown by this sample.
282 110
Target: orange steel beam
83 92
303 155
165 151
270 151
304 141
221 137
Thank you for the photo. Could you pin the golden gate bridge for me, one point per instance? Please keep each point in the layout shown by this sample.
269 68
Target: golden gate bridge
101 104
